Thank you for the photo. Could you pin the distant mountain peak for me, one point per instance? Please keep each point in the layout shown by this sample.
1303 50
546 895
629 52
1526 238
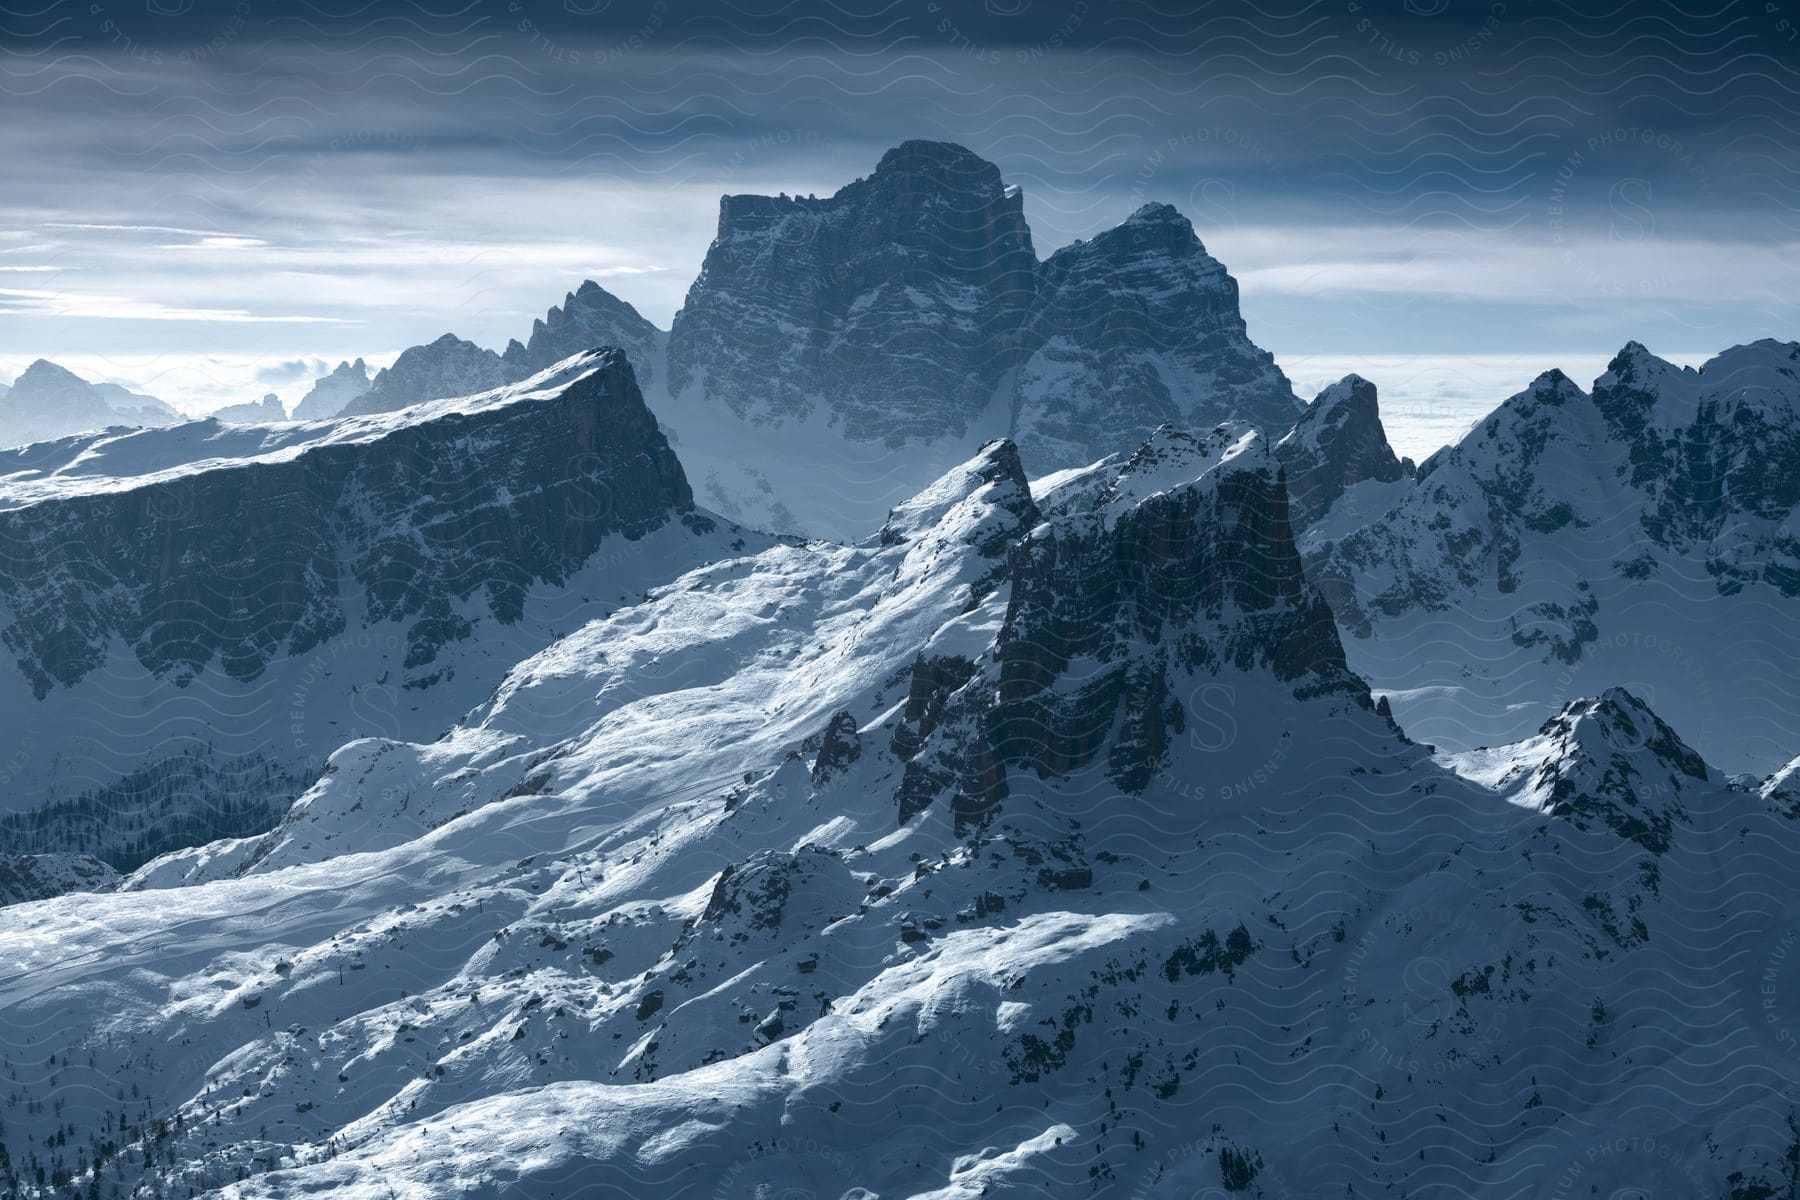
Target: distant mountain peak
330 393
45 374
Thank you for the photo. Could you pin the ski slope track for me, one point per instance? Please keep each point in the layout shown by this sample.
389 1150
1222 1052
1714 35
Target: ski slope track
1043 843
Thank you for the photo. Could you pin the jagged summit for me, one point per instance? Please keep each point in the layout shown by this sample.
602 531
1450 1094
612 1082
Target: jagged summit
330 393
1156 212
589 316
1641 532
1133 328
1337 443
449 366
1607 762
995 472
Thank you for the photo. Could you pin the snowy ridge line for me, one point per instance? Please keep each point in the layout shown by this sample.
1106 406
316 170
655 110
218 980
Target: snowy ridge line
106 462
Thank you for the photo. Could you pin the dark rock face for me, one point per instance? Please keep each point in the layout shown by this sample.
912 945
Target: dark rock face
1191 579
840 747
589 317
1337 443
447 367
332 392
424 517
1133 329
26 877
1178 563
897 302
1723 458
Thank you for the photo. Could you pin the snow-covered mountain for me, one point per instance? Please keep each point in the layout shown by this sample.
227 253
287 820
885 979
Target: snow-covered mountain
258 412
1036 845
48 401
836 354
591 316
1132 329
197 616
1338 461
1643 534
588 318
329 394
447 367
877 335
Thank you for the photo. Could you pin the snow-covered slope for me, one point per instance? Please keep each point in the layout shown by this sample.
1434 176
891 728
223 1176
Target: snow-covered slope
1034 846
1643 534
196 616
47 401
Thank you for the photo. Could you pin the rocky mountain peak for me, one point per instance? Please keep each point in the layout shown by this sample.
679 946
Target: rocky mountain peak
894 304
269 408
1158 229
330 393
994 478
940 165
1133 328
589 316
1179 561
44 375
1337 443
449 366
1611 762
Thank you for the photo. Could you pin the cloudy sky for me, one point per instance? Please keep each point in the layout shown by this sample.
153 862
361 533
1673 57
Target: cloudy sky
208 199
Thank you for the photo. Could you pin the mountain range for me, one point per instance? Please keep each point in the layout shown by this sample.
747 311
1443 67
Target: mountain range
47 401
1642 532
934 723
834 355
1042 843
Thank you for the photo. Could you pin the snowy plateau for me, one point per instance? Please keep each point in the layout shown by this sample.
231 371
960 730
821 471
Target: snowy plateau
1156 787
